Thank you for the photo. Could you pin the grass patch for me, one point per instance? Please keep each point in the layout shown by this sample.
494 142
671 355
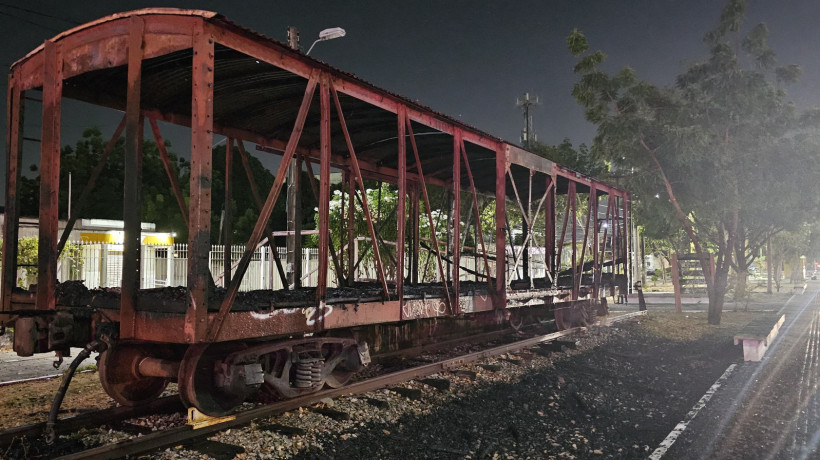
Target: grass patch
693 326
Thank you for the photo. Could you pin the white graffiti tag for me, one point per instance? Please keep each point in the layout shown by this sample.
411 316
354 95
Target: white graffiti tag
316 314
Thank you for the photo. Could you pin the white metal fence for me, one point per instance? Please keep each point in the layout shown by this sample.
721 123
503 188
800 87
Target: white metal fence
100 265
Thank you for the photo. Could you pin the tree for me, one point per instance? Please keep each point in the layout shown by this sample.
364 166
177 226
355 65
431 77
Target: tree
704 143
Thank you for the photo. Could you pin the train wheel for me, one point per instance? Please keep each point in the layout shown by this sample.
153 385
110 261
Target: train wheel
341 373
197 387
120 379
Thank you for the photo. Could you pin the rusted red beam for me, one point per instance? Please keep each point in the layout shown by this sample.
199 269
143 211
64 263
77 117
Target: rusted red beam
358 174
596 261
480 232
169 170
316 194
243 155
14 159
264 214
561 240
456 218
590 210
227 221
401 217
414 222
351 215
549 228
324 195
199 227
49 177
500 227
572 199
132 196
428 210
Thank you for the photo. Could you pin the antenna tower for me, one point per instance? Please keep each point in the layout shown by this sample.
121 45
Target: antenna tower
527 105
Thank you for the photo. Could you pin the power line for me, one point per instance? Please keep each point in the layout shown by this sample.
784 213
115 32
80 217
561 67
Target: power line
38 13
50 29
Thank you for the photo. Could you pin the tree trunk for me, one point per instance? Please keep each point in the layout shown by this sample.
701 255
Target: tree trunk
717 293
741 285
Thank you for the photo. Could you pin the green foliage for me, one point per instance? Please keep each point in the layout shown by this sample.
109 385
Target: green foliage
27 249
735 153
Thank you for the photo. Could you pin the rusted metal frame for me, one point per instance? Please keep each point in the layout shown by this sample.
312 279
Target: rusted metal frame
607 225
265 212
169 170
530 234
87 47
317 194
199 224
414 222
324 194
49 177
89 186
401 215
14 162
586 238
457 146
342 222
616 235
243 155
132 182
277 147
428 210
561 239
351 215
596 262
573 199
281 56
549 229
227 221
500 227
358 173
527 267
480 232
382 223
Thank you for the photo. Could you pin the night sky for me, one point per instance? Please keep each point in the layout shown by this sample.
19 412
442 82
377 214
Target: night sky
467 59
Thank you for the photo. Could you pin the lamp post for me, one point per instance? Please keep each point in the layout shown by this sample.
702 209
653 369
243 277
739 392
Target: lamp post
327 34
294 202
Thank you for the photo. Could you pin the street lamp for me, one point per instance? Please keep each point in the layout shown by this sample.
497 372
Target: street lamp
327 34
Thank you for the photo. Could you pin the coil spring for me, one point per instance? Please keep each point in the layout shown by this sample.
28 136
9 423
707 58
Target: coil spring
308 373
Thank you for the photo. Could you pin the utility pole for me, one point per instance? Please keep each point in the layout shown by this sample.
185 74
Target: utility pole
527 105
294 204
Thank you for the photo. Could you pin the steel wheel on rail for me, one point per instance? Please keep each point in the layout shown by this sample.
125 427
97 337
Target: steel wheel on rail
121 380
197 387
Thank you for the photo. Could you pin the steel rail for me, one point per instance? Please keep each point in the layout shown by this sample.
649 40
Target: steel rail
179 435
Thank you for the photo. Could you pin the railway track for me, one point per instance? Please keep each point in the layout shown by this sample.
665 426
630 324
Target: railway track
186 433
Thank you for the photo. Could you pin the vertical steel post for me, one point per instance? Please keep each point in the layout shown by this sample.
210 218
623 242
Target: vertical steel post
596 269
49 176
14 161
500 227
401 217
549 229
132 182
324 193
456 218
199 228
415 224
227 227
351 236
573 201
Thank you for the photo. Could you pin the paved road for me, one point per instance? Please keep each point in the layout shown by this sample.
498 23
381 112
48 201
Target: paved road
13 367
770 409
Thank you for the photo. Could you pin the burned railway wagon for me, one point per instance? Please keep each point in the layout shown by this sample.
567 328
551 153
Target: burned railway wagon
486 233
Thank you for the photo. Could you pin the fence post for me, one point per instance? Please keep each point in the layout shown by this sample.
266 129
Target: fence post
103 265
169 267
